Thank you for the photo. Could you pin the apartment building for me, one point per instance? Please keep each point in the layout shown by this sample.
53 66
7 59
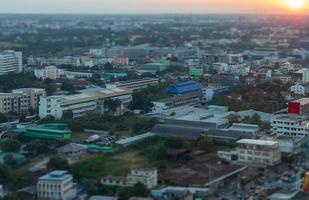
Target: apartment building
49 72
258 152
35 95
10 61
57 185
88 100
21 100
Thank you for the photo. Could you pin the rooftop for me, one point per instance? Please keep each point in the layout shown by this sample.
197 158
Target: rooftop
257 142
57 175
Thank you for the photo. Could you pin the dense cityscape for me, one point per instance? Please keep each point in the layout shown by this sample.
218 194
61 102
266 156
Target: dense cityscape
154 107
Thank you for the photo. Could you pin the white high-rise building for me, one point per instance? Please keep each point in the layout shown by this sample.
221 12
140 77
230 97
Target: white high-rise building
10 61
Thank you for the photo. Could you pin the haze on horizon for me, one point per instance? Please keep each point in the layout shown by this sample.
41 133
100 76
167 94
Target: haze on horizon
150 6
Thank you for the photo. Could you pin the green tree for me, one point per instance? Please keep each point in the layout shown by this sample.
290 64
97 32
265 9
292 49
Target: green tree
57 163
139 190
3 118
67 87
68 114
10 146
37 148
9 160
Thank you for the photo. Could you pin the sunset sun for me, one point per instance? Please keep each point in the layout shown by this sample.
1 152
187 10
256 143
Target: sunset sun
295 4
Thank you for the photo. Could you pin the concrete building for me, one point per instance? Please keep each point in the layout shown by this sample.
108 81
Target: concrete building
300 89
89 100
136 84
290 145
121 60
305 77
10 61
148 177
191 99
57 185
258 152
49 72
290 125
21 100
35 95
245 128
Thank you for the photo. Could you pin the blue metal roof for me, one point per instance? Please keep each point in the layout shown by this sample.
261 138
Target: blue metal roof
188 86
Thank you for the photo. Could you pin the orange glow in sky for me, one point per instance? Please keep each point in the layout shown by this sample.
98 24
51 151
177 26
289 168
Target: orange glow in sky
156 6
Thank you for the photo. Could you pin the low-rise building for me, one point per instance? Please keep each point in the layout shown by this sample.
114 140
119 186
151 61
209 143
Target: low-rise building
136 84
89 100
245 128
258 152
290 125
191 99
185 87
49 131
148 177
57 185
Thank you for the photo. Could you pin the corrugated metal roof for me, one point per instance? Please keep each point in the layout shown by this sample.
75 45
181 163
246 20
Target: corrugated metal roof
185 87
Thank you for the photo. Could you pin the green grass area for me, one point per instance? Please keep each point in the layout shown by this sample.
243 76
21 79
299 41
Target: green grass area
76 136
144 154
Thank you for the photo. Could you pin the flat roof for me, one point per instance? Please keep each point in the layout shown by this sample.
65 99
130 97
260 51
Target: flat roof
302 101
57 175
257 142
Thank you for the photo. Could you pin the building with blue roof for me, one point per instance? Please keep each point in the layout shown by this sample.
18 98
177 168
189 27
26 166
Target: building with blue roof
57 185
185 87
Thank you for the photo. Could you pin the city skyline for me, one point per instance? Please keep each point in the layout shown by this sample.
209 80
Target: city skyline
152 6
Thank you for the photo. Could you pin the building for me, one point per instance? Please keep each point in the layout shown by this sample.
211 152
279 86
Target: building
171 192
192 99
72 150
49 131
136 84
290 145
88 100
305 77
185 87
21 100
258 152
10 61
121 60
245 128
49 72
290 125
196 71
300 89
109 75
35 95
2 191
153 67
212 91
148 177
57 185
299 107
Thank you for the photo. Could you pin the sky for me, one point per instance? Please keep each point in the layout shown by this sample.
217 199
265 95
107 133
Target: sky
152 6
